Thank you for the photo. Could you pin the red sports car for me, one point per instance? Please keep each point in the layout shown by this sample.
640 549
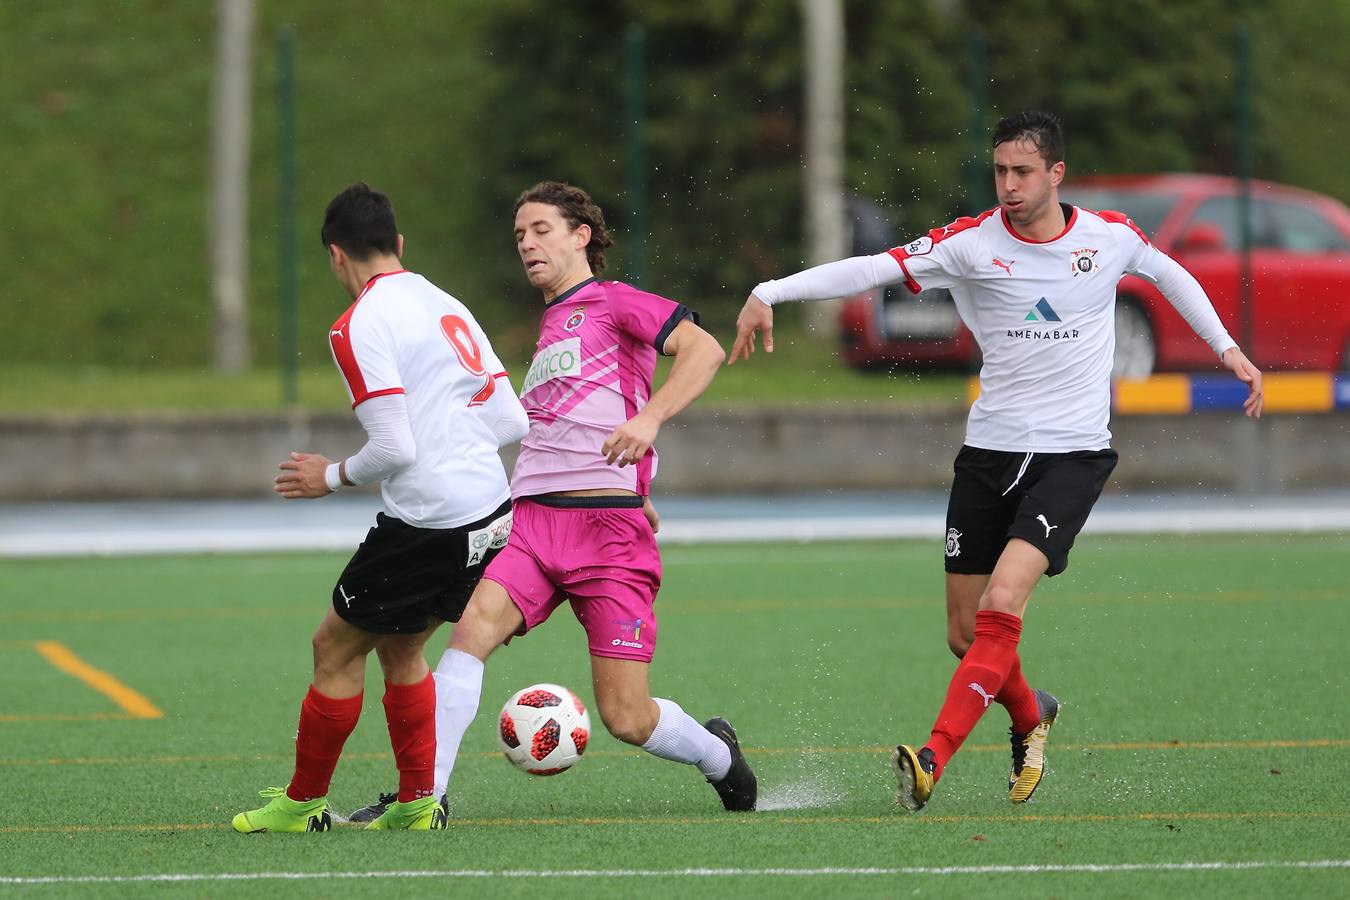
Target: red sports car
1300 271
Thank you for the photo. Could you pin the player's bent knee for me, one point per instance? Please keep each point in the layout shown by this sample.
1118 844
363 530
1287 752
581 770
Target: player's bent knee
401 659
632 723
1004 599
478 634
325 647
630 729
959 644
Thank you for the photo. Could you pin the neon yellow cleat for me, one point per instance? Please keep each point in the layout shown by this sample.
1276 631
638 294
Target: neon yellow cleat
424 814
914 775
1028 751
284 814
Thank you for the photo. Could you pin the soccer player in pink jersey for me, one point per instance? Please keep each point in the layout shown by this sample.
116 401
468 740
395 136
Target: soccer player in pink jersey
1035 281
437 406
584 529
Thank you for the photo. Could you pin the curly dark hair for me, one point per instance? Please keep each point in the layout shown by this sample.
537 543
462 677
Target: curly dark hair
577 207
1042 129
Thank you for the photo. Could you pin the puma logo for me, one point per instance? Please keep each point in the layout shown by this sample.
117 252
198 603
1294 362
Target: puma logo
975 686
1048 527
338 331
345 597
1005 266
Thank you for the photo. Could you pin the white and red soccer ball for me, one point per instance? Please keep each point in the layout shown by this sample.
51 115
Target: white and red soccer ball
544 729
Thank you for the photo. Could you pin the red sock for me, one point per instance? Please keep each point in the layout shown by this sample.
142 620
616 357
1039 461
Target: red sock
325 724
1020 702
411 711
978 680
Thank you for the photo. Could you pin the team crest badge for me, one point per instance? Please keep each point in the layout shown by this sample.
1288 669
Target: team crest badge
1084 262
575 319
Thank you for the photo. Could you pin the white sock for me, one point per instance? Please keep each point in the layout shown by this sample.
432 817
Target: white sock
677 736
459 684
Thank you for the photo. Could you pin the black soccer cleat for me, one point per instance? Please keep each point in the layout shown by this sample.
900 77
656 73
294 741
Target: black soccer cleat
739 790
372 812
367 814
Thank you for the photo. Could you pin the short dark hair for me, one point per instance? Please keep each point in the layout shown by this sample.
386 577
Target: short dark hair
360 220
1041 129
577 208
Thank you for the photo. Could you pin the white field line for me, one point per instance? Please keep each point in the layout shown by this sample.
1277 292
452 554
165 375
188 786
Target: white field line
1084 868
132 542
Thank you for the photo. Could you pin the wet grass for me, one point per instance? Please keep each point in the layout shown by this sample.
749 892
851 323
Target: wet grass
1200 725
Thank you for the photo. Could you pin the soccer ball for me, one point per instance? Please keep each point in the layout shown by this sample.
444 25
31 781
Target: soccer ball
544 729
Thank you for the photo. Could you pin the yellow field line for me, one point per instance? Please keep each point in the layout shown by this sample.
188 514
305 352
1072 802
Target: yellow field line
60 656
1314 744
748 820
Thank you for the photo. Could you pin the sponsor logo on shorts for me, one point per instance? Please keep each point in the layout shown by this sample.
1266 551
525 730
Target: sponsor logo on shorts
493 537
345 597
620 642
1046 524
635 626
557 360
953 542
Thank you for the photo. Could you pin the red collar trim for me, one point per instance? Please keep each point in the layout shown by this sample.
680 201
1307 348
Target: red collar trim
1003 217
371 282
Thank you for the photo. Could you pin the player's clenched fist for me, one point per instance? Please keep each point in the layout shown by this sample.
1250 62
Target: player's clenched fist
630 441
756 315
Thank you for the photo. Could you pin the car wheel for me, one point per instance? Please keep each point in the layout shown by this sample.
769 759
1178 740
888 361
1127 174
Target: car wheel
1136 349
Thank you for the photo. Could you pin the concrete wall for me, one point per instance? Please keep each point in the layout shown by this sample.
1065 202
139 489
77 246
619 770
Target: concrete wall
706 450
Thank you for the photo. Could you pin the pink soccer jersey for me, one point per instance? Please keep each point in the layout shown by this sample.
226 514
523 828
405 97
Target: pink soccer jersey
592 371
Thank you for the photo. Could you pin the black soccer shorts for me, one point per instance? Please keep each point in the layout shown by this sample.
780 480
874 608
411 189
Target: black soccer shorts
1042 498
402 574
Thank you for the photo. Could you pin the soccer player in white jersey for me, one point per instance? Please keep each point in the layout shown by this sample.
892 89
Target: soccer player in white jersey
1035 281
436 404
584 530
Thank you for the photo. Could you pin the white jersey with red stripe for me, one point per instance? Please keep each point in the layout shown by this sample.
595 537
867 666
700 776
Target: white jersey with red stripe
1043 314
404 335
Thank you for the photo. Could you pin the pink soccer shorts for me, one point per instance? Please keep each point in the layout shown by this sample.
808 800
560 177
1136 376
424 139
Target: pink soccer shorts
604 561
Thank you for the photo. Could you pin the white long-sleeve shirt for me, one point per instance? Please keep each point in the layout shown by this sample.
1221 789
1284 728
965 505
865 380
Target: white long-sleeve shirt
1043 314
434 399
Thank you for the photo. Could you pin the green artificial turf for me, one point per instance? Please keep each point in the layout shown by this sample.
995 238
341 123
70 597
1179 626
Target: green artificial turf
1203 721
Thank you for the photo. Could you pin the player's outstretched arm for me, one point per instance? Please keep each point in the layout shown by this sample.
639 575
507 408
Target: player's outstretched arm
837 279
756 315
1237 362
698 356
